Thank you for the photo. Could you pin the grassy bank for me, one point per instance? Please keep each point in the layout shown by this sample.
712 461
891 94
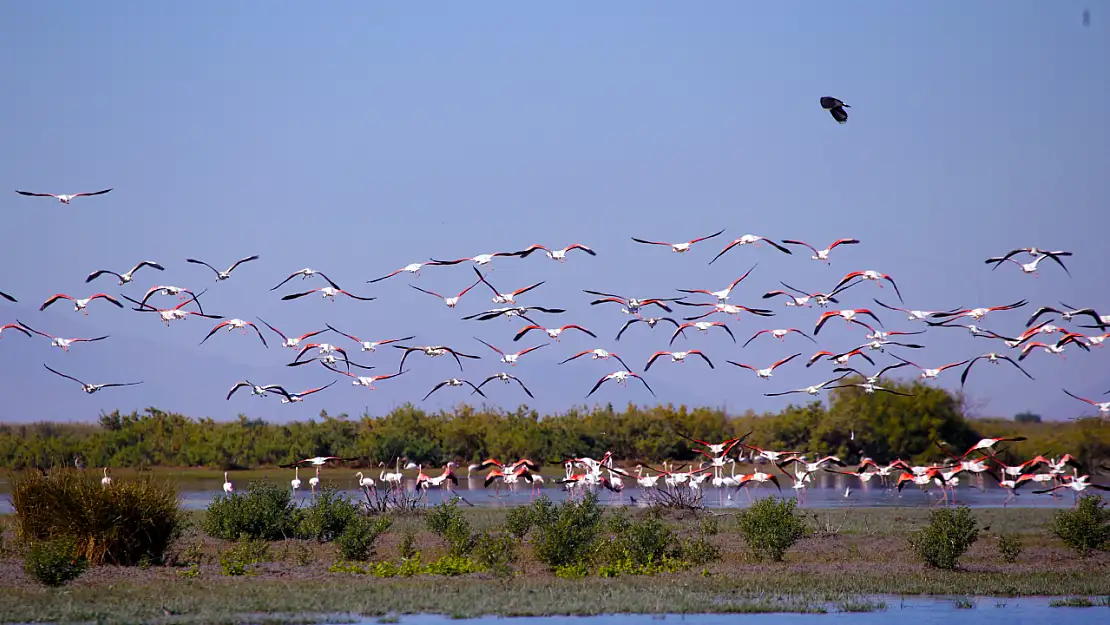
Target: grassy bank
852 554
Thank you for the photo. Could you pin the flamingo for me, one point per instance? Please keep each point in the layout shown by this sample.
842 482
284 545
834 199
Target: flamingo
679 248
296 481
994 359
394 478
432 351
14 326
228 488
176 313
106 481
366 482
449 301
650 321
222 275
57 341
368 346
256 390
291 342
750 239
978 313
723 294
305 274
914 315
328 292
931 374
504 298
597 354
316 461
1103 407
169 290
367 381
758 477
293 398
679 357
631 305
728 309
835 108
236 324
553 333
620 377
1037 255
314 481
1066 315
849 316
510 359
124 278
1027 268
703 327
840 359
453 382
80 304
1011 484
870 388
413 268
559 255
874 276
64 199
506 378
766 373
511 311
821 255
1048 349
479 260
811 390
90 388
778 334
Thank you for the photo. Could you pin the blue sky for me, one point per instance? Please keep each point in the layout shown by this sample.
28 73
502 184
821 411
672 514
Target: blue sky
355 138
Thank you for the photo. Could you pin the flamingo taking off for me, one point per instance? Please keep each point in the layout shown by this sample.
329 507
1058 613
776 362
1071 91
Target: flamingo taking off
64 199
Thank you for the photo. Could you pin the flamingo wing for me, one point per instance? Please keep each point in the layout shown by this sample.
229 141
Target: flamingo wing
715 234
96 274
53 299
293 296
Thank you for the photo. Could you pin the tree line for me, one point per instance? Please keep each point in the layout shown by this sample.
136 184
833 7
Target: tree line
852 425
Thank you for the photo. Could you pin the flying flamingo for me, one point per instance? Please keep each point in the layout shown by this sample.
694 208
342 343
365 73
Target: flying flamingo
778 334
978 313
328 292
124 278
631 305
870 387
236 324
840 359
256 390
509 359
811 390
1048 349
64 199
449 301
621 377
822 255
368 346
222 275
1103 407
504 298
413 268
722 295
479 260
1066 315
89 388
171 314
597 354
433 351
305 274
1037 255
293 398
367 381
874 276
1027 268
650 321
679 248
703 327
766 373
290 342
914 315
679 357
169 290
994 359
454 382
57 341
316 461
726 309
849 316
506 378
559 255
799 298
80 304
553 333
752 240
931 374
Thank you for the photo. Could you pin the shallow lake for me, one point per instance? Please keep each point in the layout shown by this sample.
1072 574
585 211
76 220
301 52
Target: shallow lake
918 610
826 491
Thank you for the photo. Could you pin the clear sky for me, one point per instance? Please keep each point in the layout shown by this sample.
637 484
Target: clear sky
358 137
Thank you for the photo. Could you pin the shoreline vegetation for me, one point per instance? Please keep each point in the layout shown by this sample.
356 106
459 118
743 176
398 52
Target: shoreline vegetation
851 425
843 560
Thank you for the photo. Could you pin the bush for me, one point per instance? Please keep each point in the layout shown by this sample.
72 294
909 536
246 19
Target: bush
407 547
771 526
55 562
496 552
700 550
566 535
644 542
266 511
127 523
1009 547
949 534
327 517
358 537
1085 529
243 557
447 521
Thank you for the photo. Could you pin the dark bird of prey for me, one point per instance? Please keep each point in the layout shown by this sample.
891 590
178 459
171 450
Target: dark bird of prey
836 108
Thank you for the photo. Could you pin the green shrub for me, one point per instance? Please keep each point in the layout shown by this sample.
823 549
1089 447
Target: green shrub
450 566
567 534
949 534
1009 547
644 542
709 526
771 526
700 550
519 520
407 547
447 521
124 524
358 537
496 552
266 511
327 517
55 562
1085 529
243 557
577 570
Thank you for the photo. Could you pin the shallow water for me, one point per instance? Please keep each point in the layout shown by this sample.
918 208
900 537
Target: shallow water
826 491
921 611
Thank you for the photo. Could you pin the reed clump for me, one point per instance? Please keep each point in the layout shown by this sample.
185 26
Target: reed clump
124 523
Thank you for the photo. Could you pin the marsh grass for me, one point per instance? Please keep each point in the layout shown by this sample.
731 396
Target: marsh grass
126 523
